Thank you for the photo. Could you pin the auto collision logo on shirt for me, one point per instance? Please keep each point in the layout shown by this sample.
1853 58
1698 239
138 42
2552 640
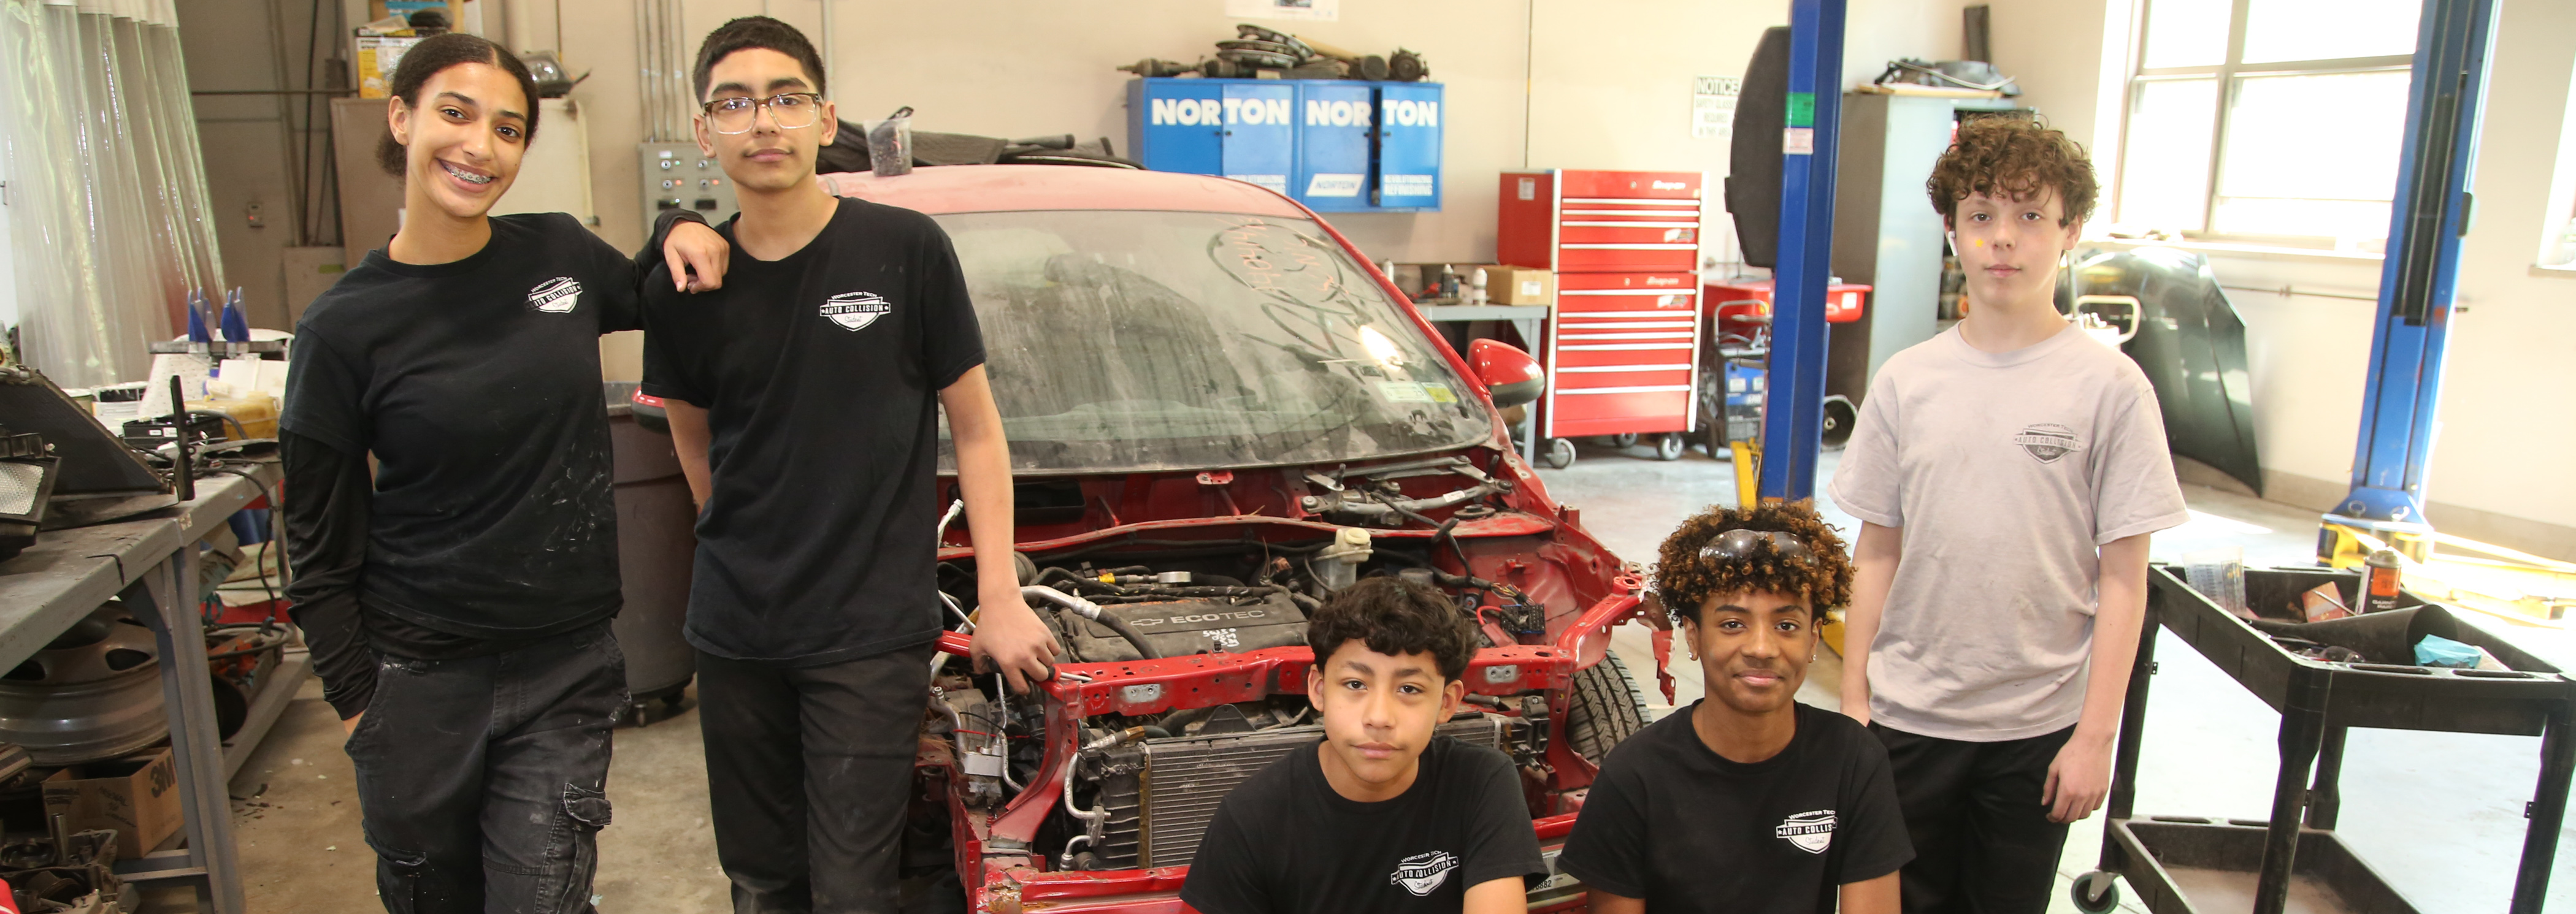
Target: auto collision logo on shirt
2047 441
854 310
555 296
1423 873
1808 831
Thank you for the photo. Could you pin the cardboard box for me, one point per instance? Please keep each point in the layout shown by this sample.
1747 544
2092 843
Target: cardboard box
377 58
1520 286
136 797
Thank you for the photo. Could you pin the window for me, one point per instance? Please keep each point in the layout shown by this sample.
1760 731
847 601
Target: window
2278 121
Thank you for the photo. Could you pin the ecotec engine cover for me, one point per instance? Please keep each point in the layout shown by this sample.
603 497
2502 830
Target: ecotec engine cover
1180 628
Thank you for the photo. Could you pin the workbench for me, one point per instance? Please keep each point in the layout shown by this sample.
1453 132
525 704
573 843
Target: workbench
1530 320
150 562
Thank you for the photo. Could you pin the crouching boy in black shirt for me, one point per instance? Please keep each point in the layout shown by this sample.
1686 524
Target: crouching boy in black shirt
1747 801
1382 816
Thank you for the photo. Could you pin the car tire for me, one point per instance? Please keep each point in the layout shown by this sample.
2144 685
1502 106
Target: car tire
1560 453
1605 709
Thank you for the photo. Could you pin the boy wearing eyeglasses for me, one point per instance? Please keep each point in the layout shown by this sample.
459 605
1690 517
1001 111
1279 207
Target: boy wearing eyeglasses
2008 474
804 401
1746 802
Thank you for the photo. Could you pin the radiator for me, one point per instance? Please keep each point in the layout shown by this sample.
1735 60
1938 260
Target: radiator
1161 795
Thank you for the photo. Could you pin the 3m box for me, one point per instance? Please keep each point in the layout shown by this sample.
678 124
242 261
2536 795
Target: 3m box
137 797
1520 286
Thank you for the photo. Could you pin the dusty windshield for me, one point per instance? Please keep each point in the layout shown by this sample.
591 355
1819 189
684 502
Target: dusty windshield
1124 340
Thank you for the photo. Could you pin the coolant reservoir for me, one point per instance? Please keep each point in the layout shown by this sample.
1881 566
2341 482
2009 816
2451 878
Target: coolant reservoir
1339 564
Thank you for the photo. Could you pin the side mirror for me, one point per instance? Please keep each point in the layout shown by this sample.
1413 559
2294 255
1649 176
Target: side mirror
1512 375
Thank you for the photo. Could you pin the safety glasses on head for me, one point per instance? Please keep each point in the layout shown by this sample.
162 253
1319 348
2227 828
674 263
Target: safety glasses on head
790 110
1737 545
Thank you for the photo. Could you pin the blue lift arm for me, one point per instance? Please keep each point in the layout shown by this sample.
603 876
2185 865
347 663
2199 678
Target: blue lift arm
1793 425
2444 105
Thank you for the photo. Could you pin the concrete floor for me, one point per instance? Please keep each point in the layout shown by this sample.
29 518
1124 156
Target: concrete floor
2438 814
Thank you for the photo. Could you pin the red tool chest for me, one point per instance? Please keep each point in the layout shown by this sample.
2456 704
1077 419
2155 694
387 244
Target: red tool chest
1622 349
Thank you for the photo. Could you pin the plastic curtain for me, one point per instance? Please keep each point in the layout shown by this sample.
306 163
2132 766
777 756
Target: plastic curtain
110 228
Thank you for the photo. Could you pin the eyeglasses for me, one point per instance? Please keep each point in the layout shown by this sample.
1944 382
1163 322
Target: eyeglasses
1737 545
790 110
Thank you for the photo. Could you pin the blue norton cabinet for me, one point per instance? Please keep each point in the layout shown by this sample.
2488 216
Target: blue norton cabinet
1408 159
1334 145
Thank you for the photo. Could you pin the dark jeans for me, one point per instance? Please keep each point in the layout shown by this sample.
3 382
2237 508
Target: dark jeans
482 780
1982 840
808 771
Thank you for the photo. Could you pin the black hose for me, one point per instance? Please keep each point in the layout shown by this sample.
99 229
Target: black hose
1129 632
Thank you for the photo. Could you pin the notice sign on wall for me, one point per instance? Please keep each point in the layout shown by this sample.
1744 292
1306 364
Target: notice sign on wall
1713 106
1308 10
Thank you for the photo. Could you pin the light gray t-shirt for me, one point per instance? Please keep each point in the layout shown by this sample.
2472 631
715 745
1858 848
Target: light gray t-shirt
2007 471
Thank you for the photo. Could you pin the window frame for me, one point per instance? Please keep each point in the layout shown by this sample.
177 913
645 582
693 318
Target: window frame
2229 74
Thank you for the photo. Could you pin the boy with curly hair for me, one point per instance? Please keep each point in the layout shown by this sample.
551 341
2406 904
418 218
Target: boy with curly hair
1747 801
2008 473
1382 815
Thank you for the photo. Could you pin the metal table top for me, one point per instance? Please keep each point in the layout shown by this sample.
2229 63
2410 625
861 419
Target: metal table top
68 573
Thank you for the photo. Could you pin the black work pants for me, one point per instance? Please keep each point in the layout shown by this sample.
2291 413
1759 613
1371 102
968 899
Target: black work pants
808 772
483 780
1982 840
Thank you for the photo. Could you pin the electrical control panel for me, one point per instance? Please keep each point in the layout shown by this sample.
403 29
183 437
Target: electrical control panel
678 176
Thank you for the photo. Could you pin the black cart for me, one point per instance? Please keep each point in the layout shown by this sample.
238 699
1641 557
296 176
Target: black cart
2319 703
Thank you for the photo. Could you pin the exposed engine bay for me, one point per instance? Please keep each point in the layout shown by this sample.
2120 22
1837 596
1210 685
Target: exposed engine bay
1144 787
1182 604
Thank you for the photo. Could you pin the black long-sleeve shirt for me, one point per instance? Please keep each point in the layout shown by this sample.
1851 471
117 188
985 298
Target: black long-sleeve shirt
487 521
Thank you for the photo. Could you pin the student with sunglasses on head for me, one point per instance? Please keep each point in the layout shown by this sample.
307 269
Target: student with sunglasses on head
1746 802
457 594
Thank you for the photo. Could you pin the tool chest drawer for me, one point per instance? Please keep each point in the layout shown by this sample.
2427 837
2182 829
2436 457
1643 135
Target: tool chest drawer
1575 221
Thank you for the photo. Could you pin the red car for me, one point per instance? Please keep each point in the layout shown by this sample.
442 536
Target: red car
1218 413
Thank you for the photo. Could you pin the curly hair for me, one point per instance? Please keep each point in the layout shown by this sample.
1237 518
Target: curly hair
1394 617
1686 579
2013 157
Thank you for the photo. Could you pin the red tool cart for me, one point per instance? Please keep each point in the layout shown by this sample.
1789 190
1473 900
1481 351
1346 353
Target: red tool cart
1622 347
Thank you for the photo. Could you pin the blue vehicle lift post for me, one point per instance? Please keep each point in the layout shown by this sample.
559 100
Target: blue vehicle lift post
1793 426
2444 105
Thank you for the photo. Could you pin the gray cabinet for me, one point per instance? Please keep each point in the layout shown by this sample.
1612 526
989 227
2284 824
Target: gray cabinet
1886 233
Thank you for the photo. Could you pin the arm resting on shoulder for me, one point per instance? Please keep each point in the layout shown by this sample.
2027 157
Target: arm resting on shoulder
696 254
327 493
1874 560
1009 637
2081 775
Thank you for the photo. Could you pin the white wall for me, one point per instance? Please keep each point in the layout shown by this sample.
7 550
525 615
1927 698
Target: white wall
2498 469
1611 82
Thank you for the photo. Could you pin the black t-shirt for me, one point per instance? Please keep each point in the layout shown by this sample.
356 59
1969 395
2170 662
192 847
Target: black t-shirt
476 386
1284 843
821 374
1678 825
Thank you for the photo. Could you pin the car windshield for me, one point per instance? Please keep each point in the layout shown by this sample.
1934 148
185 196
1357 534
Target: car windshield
1124 340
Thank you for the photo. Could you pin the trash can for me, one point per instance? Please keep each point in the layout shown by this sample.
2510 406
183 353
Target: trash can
656 544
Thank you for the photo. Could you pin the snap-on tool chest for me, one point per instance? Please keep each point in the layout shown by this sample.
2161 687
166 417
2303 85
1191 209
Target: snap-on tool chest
1622 349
